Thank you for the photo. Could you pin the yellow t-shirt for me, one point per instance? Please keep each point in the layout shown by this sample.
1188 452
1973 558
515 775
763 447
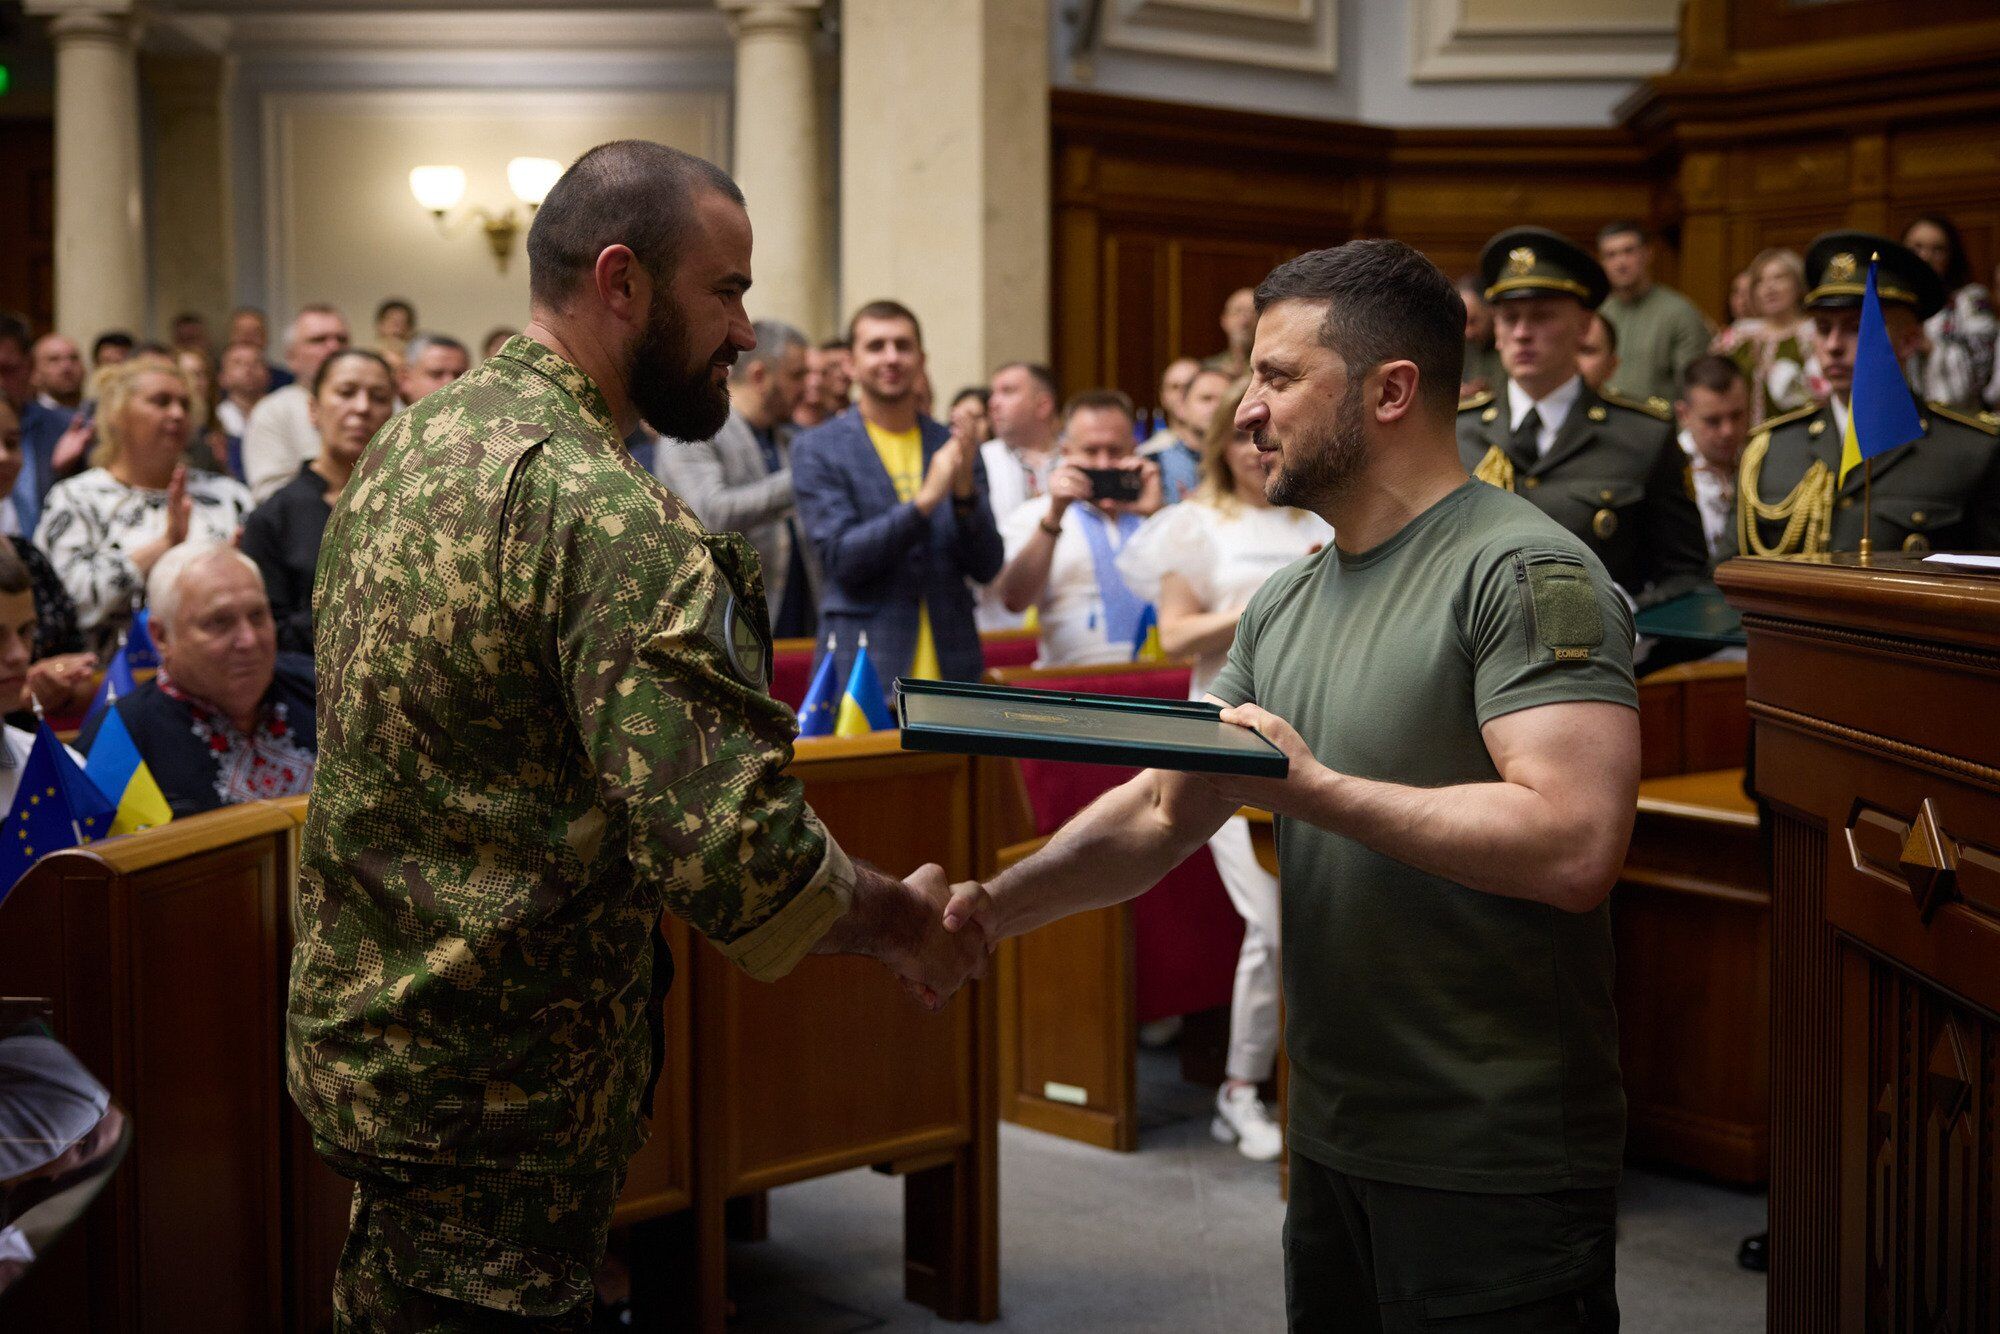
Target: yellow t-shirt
902 454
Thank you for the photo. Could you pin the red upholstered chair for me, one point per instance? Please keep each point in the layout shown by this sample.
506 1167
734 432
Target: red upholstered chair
791 670
1171 951
1010 648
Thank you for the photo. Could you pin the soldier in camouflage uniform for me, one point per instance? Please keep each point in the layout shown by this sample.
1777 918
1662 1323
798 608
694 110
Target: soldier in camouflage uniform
1608 469
1940 492
543 720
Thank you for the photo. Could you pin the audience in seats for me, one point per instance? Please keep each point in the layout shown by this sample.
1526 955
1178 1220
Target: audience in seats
57 379
228 718
430 362
1772 344
395 324
280 434
1713 409
1180 469
1957 365
1173 392
1482 371
109 349
1062 551
1659 330
248 325
208 443
61 668
351 397
897 511
18 632
106 528
1239 326
829 383
1198 562
244 379
969 417
1597 354
741 480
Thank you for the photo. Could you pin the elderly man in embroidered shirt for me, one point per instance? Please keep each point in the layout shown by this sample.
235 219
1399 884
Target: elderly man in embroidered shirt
228 718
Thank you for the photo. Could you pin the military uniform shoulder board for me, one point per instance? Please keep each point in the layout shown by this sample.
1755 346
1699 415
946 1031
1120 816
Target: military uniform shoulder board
1978 421
1796 414
1652 407
1478 400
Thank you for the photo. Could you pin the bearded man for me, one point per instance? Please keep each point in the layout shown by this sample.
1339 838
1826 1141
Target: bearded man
544 719
1451 682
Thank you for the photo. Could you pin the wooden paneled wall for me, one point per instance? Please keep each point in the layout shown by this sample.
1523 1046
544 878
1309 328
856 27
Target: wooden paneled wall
1782 122
27 220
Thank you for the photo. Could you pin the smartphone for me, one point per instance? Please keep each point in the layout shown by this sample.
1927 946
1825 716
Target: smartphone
1121 484
85 413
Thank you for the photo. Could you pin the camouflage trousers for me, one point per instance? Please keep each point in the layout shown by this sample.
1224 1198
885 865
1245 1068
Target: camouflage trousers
445 1250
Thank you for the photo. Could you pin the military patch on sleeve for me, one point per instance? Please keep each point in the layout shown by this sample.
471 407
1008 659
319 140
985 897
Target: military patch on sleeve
1568 620
743 644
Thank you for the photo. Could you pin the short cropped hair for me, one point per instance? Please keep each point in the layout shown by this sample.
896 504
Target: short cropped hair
629 192
1712 372
1622 227
838 344
117 338
1384 302
882 310
1101 400
1044 378
774 339
395 303
163 585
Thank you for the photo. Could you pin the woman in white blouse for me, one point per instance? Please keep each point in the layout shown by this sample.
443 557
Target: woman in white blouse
1198 562
104 528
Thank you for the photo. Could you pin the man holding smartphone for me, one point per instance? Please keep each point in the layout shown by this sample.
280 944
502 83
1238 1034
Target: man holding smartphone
1062 549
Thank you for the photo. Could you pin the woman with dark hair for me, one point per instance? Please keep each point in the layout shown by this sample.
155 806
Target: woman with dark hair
353 394
1958 364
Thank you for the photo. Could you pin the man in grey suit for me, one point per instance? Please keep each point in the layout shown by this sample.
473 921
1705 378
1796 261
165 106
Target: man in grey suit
741 481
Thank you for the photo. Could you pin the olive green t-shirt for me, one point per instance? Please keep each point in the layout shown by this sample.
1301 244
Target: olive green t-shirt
1439 1036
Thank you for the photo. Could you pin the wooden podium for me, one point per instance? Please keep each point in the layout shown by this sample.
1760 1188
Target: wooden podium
1875 698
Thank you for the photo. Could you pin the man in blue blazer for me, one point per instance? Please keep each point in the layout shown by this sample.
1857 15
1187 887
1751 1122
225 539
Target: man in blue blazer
897 512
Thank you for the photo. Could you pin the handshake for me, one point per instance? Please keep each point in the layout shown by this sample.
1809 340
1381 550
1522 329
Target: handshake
932 934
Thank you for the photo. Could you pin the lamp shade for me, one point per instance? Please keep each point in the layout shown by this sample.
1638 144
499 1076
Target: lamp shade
531 178
438 188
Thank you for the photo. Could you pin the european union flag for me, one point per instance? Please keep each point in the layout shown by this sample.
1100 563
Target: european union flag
118 683
140 655
1881 413
55 807
817 713
861 708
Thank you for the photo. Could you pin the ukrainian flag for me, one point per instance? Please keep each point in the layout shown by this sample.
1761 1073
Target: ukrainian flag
861 708
1881 414
115 766
1146 642
816 714
118 682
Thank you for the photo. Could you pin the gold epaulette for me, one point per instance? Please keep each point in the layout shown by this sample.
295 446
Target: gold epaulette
1478 400
1978 421
1652 407
1783 417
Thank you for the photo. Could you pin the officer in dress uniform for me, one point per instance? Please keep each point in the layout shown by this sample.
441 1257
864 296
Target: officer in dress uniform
1608 469
1939 492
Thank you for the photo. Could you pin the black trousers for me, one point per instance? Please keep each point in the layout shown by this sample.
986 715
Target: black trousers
1371 1257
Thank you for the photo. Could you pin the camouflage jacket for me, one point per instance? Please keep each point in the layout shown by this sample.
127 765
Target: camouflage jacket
535 734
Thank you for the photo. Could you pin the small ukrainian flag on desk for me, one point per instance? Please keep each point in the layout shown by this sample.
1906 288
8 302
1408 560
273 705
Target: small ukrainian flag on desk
115 767
861 708
1881 413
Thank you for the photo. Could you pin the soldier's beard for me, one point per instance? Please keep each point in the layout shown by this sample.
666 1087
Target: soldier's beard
1312 472
679 400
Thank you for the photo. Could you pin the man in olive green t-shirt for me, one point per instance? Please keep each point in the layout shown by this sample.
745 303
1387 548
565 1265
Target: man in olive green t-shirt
1451 682
1659 331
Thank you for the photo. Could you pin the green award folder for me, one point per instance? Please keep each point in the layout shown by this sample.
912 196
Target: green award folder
963 719
1702 616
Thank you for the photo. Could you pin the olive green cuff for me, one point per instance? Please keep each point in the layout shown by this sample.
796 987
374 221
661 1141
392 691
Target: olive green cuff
777 945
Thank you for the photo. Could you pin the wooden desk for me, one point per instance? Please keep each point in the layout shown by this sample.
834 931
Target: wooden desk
1873 691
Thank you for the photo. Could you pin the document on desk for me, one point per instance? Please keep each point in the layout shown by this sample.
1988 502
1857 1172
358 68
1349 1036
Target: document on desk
1963 560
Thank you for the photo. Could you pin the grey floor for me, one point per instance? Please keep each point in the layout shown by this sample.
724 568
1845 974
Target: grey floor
1181 1236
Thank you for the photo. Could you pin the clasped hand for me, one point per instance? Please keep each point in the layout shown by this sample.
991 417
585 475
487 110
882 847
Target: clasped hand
935 960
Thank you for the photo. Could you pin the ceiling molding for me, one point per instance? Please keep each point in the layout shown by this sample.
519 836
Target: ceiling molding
1447 45
459 32
1273 34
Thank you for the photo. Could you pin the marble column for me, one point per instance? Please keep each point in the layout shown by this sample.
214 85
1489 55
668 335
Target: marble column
100 230
944 163
780 141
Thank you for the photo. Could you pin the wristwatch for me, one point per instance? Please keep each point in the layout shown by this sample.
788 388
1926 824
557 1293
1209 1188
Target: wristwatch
1052 529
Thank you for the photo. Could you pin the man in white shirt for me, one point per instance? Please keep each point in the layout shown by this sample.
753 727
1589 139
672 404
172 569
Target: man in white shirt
1714 414
1062 551
279 436
1021 407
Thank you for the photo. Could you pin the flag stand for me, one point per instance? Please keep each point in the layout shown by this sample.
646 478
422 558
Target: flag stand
1867 508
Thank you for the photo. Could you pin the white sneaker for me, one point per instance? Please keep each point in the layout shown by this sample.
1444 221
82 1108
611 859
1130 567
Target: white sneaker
1242 1118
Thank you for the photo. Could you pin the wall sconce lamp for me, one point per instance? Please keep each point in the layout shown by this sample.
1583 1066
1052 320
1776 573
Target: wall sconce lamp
440 189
